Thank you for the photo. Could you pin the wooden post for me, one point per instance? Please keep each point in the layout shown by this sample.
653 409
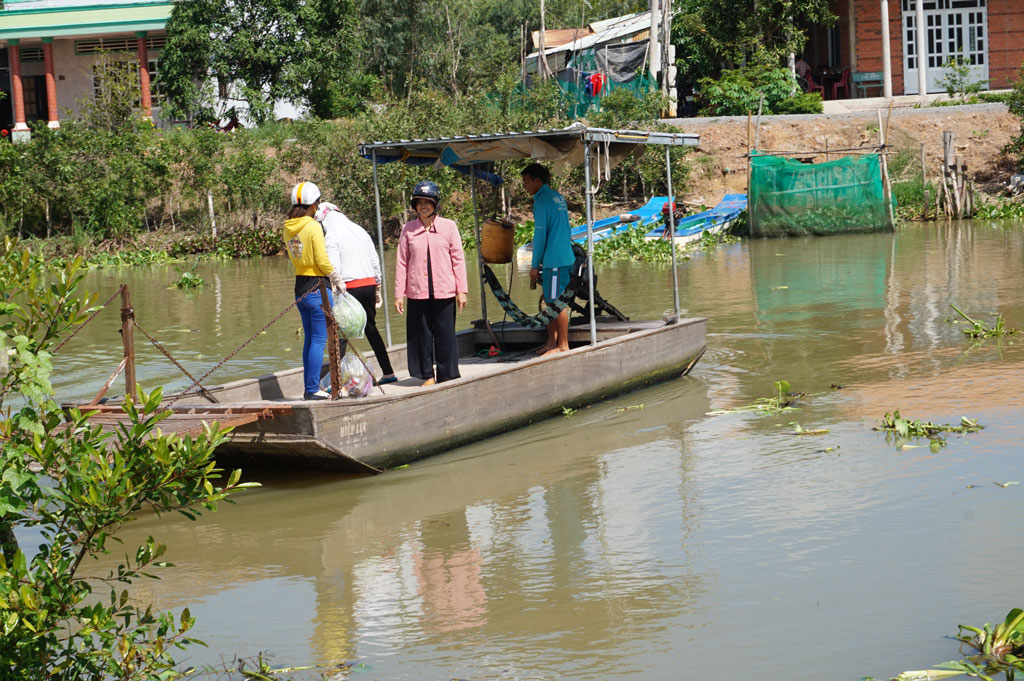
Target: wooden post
750 161
128 341
924 184
333 353
961 180
887 186
827 158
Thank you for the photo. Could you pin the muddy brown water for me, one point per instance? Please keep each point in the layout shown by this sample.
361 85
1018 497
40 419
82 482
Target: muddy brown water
639 537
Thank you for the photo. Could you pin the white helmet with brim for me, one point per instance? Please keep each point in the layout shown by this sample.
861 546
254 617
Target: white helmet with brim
305 194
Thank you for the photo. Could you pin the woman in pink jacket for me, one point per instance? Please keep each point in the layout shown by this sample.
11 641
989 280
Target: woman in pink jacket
431 274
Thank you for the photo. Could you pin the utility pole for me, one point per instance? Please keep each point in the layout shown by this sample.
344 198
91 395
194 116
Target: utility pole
655 51
668 59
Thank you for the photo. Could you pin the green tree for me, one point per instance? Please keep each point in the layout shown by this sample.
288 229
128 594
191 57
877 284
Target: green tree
724 34
253 47
76 486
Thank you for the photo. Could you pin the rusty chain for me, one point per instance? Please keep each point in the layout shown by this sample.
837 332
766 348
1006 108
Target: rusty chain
167 354
234 352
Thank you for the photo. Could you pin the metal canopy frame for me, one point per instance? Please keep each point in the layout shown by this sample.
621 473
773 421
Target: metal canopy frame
565 140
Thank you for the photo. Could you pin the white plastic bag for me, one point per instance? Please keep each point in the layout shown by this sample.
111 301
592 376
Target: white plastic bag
356 380
355 377
350 315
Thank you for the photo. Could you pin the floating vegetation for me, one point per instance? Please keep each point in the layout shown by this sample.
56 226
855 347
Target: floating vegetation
982 330
568 411
188 280
1000 650
632 406
711 240
800 430
783 401
899 428
633 244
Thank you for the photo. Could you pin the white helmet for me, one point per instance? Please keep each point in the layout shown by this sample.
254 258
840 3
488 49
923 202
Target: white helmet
325 208
305 194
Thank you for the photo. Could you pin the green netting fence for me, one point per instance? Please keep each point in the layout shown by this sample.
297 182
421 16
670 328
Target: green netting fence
578 100
790 198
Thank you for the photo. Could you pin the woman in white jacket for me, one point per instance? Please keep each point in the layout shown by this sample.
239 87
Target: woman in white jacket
351 252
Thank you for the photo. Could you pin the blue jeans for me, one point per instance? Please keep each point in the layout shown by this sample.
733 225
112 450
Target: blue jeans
314 338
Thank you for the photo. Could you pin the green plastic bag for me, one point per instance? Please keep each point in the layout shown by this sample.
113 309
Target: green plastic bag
350 315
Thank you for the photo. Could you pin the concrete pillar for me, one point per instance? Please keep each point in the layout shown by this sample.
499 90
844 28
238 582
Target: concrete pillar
851 36
886 51
922 51
52 117
147 100
21 132
655 44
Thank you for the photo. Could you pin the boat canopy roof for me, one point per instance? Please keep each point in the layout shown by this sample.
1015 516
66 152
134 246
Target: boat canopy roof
564 147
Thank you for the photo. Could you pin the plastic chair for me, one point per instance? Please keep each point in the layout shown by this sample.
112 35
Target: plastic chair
843 83
814 87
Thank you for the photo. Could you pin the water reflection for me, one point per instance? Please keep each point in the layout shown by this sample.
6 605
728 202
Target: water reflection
637 542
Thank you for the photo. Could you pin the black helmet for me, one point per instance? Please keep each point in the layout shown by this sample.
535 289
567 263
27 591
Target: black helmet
425 189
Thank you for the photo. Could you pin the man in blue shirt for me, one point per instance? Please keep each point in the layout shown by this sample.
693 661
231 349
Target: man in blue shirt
552 250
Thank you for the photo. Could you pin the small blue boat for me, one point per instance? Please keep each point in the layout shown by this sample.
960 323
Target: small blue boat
713 221
688 229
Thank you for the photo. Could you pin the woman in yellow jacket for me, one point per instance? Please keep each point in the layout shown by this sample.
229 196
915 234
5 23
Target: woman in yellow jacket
304 240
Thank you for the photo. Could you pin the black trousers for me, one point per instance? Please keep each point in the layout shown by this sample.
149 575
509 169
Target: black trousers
367 297
430 330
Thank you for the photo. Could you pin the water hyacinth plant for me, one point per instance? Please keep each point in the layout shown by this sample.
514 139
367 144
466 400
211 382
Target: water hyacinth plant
782 401
901 429
982 330
1000 650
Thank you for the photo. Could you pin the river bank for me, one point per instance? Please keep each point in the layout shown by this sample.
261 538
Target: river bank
981 131
717 167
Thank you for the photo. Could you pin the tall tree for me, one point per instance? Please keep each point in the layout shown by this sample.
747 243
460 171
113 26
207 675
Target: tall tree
258 50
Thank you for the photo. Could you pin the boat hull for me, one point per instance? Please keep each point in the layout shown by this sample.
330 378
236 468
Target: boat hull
373 434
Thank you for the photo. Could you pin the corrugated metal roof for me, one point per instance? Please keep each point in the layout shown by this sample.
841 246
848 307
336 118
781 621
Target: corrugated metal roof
577 133
560 36
611 30
24 22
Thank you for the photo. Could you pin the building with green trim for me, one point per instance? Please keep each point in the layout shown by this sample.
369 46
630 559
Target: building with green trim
49 50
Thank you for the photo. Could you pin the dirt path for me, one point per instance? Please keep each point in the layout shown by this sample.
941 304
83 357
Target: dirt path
981 131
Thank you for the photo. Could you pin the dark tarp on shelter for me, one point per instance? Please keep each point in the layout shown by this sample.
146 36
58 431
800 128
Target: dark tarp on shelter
621 62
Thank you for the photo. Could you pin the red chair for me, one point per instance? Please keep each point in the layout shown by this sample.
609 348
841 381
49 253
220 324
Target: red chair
843 83
814 87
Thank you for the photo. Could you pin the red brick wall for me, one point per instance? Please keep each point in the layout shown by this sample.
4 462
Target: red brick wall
1005 41
869 39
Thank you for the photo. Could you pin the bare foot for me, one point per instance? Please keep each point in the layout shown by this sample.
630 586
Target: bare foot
544 349
553 351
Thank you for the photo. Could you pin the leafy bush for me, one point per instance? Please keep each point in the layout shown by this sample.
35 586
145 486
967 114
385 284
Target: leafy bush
77 486
804 103
958 81
738 91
